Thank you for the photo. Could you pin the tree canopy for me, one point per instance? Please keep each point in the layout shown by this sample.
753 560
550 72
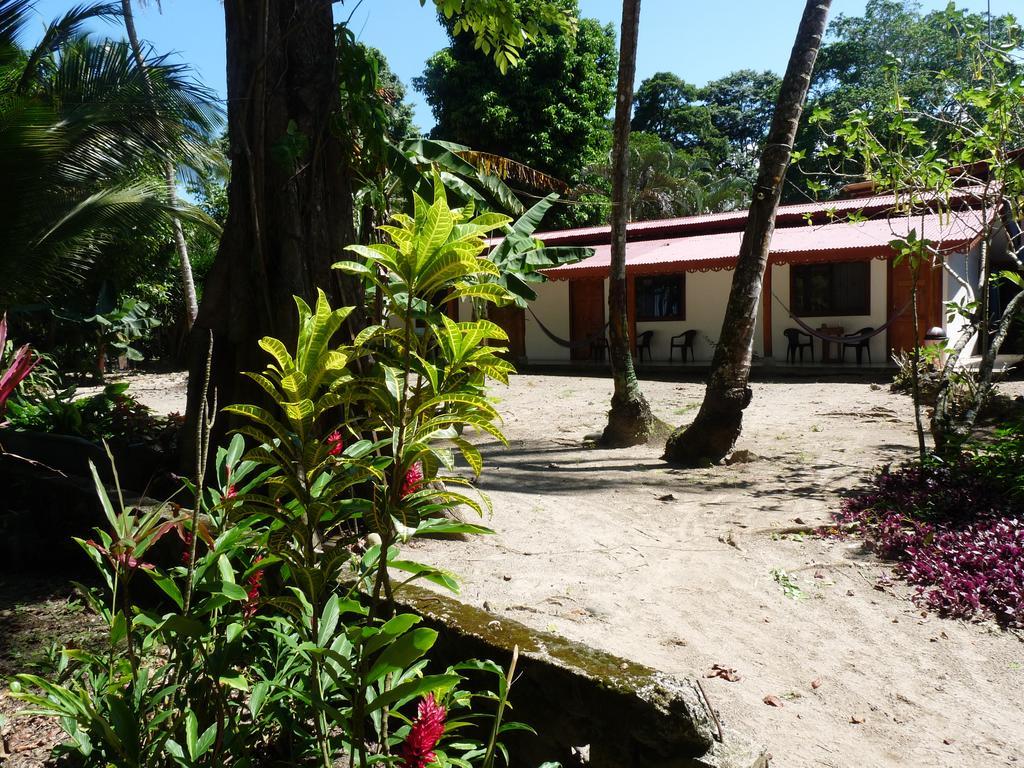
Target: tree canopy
723 122
549 112
672 109
864 59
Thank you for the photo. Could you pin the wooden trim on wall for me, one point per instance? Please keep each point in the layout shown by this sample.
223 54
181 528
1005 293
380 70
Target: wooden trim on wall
631 310
888 306
766 311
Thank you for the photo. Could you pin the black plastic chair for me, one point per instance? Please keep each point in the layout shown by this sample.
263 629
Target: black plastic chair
598 346
797 344
644 342
860 346
683 341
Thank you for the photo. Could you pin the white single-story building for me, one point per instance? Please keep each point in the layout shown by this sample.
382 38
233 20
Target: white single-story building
830 265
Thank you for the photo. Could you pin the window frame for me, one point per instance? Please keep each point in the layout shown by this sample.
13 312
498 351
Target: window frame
862 309
680 280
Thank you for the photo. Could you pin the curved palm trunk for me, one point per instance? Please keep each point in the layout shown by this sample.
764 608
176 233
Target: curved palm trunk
188 285
630 421
720 420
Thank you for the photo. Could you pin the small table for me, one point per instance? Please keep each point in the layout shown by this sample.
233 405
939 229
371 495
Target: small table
831 351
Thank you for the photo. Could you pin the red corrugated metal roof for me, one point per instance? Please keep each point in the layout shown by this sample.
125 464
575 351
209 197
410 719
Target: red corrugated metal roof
843 241
787 216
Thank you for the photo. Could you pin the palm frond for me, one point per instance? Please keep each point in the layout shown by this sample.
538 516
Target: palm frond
59 32
511 170
80 125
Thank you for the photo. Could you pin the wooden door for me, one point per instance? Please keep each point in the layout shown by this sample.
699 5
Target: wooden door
512 320
929 304
586 316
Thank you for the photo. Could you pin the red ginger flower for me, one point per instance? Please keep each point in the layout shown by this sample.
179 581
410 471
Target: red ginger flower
413 479
186 552
229 492
417 751
254 581
337 445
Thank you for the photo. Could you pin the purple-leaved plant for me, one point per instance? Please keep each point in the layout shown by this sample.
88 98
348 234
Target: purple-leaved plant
955 530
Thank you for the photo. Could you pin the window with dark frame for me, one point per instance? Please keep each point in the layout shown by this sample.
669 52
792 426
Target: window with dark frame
661 297
830 290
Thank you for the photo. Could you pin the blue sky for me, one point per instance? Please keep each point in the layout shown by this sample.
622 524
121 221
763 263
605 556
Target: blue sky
699 40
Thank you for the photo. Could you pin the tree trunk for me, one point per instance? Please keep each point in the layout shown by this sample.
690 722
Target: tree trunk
915 377
720 420
630 421
289 199
951 430
188 285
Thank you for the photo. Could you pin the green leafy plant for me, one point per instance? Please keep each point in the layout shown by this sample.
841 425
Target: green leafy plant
520 256
277 639
123 326
112 414
789 586
965 156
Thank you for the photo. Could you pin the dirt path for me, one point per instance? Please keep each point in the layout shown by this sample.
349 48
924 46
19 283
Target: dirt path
675 569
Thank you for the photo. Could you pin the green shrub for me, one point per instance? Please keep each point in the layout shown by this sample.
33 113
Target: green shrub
277 641
112 415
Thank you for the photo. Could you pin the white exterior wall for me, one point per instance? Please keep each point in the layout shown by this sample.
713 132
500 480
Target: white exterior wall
552 307
706 296
850 324
966 266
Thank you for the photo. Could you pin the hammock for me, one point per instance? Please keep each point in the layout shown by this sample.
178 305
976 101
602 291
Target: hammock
849 338
585 344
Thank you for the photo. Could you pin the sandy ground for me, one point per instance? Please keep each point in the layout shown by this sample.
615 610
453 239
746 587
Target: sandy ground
680 570
589 546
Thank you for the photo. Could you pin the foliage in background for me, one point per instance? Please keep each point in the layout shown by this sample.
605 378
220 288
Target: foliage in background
81 138
372 110
955 529
983 127
854 75
210 193
666 182
726 120
407 169
277 641
549 112
722 124
112 415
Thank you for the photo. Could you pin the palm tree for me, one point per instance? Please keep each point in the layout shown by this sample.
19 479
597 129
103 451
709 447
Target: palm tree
720 419
706 189
630 421
188 284
665 182
81 138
